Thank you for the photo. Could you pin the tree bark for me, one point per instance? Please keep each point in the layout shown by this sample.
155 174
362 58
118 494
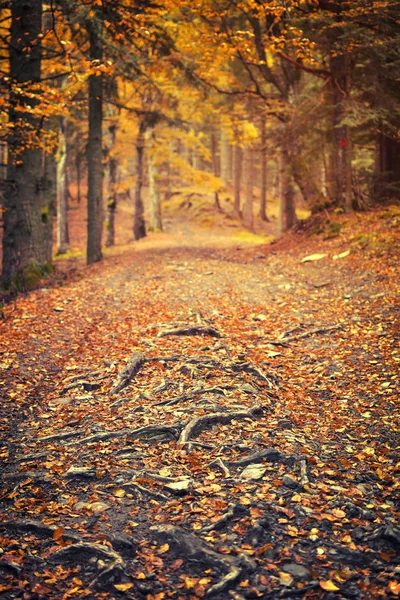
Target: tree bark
287 214
310 191
62 190
139 226
247 213
237 176
25 227
94 147
387 166
155 221
264 174
224 159
112 189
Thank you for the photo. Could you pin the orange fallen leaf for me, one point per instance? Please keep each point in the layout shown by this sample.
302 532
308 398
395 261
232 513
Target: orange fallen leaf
394 587
58 533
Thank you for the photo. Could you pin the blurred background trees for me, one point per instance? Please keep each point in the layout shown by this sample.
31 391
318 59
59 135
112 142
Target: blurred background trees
294 102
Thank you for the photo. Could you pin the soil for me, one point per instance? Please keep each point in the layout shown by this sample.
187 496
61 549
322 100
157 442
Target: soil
251 450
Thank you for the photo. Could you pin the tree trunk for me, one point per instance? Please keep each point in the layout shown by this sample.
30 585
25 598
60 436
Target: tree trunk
287 214
224 160
62 191
48 188
78 166
341 158
264 174
25 247
94 147
112 189
310 191
139 227
214 155
155 221
387 166
237 176
247 213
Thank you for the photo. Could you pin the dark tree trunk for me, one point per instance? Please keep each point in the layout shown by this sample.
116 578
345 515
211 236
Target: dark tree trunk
94 147
139 226
25 225
387 166
341 157
112 190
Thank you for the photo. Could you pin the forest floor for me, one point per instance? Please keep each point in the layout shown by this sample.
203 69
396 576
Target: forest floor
205 415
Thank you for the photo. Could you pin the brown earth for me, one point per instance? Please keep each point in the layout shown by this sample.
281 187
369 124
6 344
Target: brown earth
289 366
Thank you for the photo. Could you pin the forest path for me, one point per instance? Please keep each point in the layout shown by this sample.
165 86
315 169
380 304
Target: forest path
249 449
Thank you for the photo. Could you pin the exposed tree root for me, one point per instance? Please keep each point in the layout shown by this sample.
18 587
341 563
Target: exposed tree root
131 369
36 528
11 567
286 337
135 487
192 330
233 511
269 454
199 424
196 392
189 547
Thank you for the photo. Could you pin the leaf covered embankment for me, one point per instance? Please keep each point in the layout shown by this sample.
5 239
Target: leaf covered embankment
261 463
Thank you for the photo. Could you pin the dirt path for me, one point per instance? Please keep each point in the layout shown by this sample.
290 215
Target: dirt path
254 456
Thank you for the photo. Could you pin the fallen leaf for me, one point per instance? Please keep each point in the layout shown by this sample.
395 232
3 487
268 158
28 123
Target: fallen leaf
329 586
122 587
313 257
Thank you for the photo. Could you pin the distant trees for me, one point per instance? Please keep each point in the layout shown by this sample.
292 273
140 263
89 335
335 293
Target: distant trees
238 95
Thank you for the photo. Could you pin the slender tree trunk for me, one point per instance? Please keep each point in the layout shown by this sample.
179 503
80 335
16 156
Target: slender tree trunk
224 142
155 221
139 227
247 213
287 214
49 199
78 166
214 155
94 147
62 190
25 247
215 168
264 174
237 177
112 189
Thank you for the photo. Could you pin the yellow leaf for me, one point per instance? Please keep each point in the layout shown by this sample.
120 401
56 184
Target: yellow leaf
122 587
313 257
119 493
329 586
285 578
164 548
